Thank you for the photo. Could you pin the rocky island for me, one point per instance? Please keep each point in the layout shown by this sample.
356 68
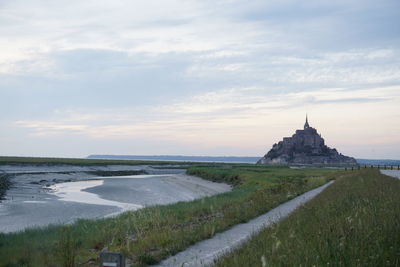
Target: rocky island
305 147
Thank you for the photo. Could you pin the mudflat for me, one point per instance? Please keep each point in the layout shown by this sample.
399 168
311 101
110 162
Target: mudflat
96 197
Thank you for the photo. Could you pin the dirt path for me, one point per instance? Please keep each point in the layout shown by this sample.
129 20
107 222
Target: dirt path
205 252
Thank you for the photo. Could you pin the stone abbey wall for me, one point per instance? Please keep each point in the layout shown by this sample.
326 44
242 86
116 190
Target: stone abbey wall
305 147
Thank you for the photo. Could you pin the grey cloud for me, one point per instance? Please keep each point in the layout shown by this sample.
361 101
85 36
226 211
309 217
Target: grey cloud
99 78
331 25
315 100
355 100
83 53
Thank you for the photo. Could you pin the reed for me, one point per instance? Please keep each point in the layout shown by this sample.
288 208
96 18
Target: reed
354 222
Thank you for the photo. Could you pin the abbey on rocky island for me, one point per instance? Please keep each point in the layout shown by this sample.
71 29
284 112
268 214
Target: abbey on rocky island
305 147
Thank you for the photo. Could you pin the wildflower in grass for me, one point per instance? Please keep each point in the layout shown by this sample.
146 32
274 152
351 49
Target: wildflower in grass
277 244
263 261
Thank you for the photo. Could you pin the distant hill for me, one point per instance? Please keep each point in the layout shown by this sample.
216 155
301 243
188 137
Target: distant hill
392 162
180 158
225 159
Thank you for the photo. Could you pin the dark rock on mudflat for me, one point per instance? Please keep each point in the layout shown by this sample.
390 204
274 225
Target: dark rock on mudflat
305 147
5 183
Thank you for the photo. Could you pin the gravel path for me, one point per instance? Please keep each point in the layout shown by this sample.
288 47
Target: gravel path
205 252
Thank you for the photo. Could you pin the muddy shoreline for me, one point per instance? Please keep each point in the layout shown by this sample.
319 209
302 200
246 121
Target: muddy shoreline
43 195
5 184
31 178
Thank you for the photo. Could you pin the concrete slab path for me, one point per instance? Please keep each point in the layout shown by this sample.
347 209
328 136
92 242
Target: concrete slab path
205 252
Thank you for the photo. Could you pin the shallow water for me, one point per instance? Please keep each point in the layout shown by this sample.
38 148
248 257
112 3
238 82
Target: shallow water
36 205
73 192
393 173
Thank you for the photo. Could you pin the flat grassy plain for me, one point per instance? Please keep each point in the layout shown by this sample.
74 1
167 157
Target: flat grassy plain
354 222
151 234
83 161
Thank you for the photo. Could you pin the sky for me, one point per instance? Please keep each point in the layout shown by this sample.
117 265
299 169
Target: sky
197 77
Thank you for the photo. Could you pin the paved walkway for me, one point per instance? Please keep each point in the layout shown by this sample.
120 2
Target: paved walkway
205 252
393 173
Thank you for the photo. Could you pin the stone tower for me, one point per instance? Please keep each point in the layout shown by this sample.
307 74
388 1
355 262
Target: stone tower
306 125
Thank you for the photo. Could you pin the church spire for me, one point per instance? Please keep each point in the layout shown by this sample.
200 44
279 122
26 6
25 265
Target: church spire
306 125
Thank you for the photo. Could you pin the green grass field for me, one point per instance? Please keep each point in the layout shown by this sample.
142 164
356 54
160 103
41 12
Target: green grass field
354 222
83 161
154 233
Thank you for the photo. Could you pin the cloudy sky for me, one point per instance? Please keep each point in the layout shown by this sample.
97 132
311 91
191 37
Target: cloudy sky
197 77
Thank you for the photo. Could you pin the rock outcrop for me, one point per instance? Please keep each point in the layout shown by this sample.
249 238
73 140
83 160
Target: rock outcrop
305 147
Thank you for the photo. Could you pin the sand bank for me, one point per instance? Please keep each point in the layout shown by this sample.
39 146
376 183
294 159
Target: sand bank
103 196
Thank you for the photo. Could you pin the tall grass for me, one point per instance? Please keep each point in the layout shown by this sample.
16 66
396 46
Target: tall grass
68 246
149 235
354 222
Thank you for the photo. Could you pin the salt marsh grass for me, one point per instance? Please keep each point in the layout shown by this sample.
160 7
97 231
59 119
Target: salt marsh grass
151 234
354 222
82 161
